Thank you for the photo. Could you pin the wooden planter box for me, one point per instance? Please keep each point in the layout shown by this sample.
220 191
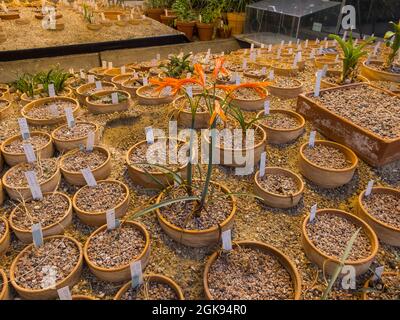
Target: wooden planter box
373 149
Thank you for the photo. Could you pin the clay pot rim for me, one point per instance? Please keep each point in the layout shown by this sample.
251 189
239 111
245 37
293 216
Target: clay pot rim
153 277
257 128
18 136
383 190
129 152
296 115
141 88
105 92
353 158
110 71
124 84
202 25
40 101
67 92
97 71
67 212
53 136
95 147
299 86
289 68
364 295
4 280
8 105
232 97
331 84
351 217
146 248
7 231
94 214
57 172
81 90
379 62
278 254
121 76
73 271
204 231
188 112
300 183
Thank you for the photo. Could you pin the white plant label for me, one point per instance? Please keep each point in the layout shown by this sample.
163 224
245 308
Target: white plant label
98 85
136 273
290 42
82 75
37 235
278 55
262 45
64 293
378 273
52 92
237 78
89 177
369 188
110 217
33 185
149 135
266 107
114 98
263 162
90 78
70 117
306 43
189 91
263 71
29 152
271 75
123 69
313 212
311 140
23 128
244 65
282 43
145 81
269 47
110 64
90 141
188 75
252 47
318 83
104 64
227 240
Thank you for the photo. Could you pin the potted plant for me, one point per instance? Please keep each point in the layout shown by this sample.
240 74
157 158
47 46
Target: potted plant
178 66
209 15
224 31
88 16
236 14
103 102
169 15
154 9
185 21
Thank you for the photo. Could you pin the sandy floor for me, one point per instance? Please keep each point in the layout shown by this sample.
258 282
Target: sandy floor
279 228
33 35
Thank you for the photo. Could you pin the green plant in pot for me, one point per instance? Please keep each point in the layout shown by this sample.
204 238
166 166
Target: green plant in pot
169 16
177 66
224 30
155 8
26 84
207 18
185 21
393 42
236 14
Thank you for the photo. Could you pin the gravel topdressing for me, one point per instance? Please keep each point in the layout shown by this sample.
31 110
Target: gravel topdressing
246 94
2 228
151 92
384 207
80 130
81 159
44 170
150 290
217 208
278 183
107 98
37 142
280 120
115 248
51 209
57 256
104 196
285 82
93 90
387 288
330 234
50 110
374 110
249 274
327 157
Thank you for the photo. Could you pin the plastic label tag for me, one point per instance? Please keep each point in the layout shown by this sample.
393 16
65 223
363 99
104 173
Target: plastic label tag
29 152
136 273
99 85
70 117
145 81
263 71
110 64
37 235
189 91
114 98
52 92
90 141
23 128
104 64
263 161
89 178
311 140
318 83
149 135
90 78
64 293
33 185
378 273
369 188
266 107
227 240
313 212
111 221
271 75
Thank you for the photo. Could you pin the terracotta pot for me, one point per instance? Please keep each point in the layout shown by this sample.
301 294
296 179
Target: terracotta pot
364 293
283 259
330 263
327 177
342 130
287 71
281 136
5 291
15 193
81 91
113 14
197 238
5 240
121 273
385 232
76 177
286 93
41 16
276 200
205 31
142 99
64 145
109 74
57 228
54 120
94 26
158 278
127 86
250 105
97 71
67 92
154 13
2 195
236 22
4 111
168 20
143 178
373 74
119 79
99 218
224 34
98 108
48 293
186 27
326 84
320 62
13 159
232 155
11 15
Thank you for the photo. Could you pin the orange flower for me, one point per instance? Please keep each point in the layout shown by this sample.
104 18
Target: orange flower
218 111
200 72
257 86
219 66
